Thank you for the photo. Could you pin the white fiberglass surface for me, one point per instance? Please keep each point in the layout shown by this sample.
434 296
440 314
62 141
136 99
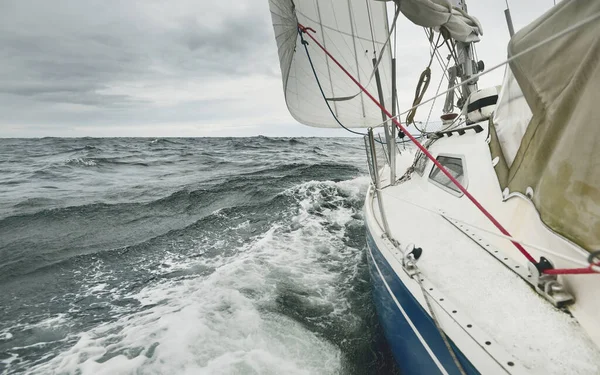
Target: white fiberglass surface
544 339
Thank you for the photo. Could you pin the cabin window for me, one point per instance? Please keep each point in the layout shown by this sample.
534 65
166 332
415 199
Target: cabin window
456 166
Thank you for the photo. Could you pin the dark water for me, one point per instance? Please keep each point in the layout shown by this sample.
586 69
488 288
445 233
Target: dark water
185 256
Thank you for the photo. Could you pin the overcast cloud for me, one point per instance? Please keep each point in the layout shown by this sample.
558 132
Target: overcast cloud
174 68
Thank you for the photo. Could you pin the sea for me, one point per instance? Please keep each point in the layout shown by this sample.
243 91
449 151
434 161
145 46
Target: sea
186 256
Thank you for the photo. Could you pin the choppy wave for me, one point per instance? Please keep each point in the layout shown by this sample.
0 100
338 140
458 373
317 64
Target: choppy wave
248 313
252 266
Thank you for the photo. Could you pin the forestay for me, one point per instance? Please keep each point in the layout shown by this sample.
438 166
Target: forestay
355 32
558 158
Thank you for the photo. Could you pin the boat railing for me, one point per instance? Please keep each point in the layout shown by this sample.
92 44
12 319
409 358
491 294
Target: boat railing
376 159
376 155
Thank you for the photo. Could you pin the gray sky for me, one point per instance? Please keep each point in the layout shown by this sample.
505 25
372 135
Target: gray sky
177 68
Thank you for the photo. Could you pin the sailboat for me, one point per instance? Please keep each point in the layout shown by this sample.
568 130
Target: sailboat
483 239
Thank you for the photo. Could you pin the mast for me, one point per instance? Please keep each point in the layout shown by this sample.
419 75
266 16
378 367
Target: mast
509 23
392 142
389 130
393 135
466 65
386 126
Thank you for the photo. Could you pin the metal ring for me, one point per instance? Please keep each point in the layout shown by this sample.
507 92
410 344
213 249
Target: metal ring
594 255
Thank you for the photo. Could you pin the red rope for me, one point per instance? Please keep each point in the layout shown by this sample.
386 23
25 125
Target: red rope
570 271
441 167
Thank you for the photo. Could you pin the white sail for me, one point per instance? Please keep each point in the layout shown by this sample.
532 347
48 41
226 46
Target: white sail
354 32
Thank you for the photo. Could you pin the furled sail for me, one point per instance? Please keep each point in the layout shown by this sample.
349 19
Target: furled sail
355 32
441 13
557 159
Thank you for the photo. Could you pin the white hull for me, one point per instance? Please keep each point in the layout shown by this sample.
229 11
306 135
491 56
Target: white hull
476 273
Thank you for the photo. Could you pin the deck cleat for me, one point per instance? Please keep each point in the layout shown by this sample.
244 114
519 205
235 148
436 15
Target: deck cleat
411 256
547 285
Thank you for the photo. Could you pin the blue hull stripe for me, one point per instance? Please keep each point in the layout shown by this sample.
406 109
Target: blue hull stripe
411 333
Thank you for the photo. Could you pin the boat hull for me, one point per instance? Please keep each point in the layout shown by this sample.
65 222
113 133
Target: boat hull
416 343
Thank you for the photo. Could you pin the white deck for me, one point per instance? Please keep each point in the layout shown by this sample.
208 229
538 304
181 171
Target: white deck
544 339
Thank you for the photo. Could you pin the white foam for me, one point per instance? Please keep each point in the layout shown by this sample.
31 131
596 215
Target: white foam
7 361
230 321
51 322
82 161
98 288
6 335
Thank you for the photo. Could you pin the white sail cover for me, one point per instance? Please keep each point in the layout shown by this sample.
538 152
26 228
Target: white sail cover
354 32
512 117
556 140
441 13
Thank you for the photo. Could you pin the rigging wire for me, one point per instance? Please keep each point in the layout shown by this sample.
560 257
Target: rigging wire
479 206
436 92
443 66
452 48
423 84
514 57
422 131
434 52
396 103
438 57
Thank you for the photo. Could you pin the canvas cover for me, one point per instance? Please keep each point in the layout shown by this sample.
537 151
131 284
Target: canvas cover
512 116
559 153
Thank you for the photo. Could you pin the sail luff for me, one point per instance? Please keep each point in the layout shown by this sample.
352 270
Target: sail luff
362 98
371 25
